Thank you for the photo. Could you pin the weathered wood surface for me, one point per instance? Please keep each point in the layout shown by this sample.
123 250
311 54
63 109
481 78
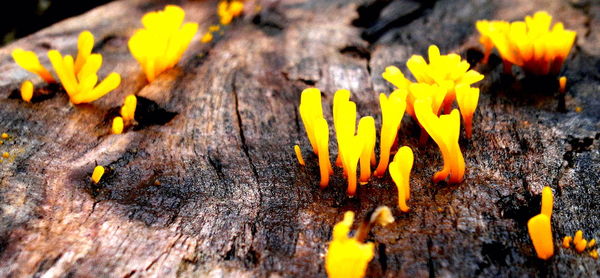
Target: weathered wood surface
216 190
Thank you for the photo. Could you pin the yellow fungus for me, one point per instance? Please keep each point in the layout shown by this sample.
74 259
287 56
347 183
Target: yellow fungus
400 171
27 91
445 131
486 28
580 246
348 257
467 99
117 125
578 237
341 99
540 232
207 37
299 155
97 174
578 109
79 77
562 84
368 134
322 137
4 136
530 44
214 28
392 110
567 241
5 154
29 61
163 40
228 10
591 243
547 201
128 108
317 130
594 254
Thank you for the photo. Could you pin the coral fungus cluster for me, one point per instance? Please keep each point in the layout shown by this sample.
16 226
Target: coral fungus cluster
532 44
581 244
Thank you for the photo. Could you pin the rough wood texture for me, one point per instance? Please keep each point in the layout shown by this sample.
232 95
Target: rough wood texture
215 190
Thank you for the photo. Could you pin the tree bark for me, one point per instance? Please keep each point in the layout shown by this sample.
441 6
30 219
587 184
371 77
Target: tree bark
208 184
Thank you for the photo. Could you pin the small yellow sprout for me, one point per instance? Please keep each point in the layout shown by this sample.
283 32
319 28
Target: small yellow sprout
594 254
29 61
322 137
392 110
207 37
540 232
117 125
578 237
591 243
348 257
227 10
128 108
580 246
79 77
97 174
4 135
163 40
567 241
467 99
5 155
368 134
445 131
547 201
299 155
27 91
562 84
400 171
317 130
214 28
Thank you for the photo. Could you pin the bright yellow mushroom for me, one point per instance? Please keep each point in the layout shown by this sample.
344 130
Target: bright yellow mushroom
344 119
486 29
348 257
163 40
547 201
128 108
392 110
368 134
117 125
540 232
299 155
29 61
445 131
467 99
97 174
400 171
317 130
27 91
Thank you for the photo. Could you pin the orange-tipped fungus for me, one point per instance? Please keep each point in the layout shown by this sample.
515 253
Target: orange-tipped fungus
80 82
117 125
530 44
540 232
562 84
547 201
486 29
29 61
567 241
317 130
348 257
163 40
5 155
128 108
322 137
299 155
467 99
4 135
444 130
578 237
392 110
400 171
368 134
591 243
228 10
580 246
27 91
97 174
594 254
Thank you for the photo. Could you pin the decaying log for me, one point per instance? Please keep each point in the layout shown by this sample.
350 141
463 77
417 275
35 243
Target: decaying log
208 184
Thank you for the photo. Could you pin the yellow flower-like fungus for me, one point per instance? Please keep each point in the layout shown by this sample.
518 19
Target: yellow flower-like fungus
540 232
567 241
444 130
27 91
299 155
163 40
467 99
392 110
80 82
117 125
530 44
348 257
128 108
400 171
547 201
29 61
317 130
97 174
486 29
227 10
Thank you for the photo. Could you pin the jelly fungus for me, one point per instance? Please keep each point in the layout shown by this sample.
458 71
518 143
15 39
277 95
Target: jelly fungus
567 241
580 246
117 125
163 40
540 232
530 44
547 201
594 254
348 257
467 99
228 10
591 243
206 38
486 28
392 110
299 155
29 61
317 130
400 171
128 108
444 130
562 84
578 237
79 77
27 91
97 174
4 135
367 134
5 155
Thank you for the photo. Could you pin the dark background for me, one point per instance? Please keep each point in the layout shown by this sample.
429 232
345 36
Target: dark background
22 17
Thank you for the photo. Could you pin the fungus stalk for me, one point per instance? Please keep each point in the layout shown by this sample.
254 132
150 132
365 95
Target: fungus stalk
317 130
299 155
367 133
400 171
392 110
547 201
540 232
467 99
30 62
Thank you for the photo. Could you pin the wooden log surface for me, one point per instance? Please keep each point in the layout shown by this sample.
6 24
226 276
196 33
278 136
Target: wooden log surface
208 184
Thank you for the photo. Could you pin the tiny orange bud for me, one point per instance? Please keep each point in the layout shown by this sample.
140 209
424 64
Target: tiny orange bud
580 246
540 232
117 125
97 174
299 155
27 91
567 241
